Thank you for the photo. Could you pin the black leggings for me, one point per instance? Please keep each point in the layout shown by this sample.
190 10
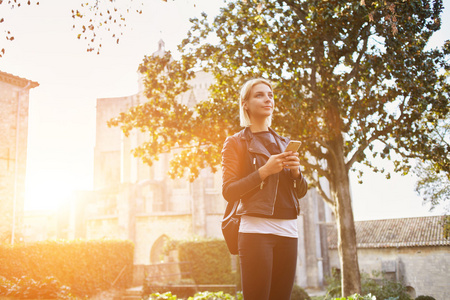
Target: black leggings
267 266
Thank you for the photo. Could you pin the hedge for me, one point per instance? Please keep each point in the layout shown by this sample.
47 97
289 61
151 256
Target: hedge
87 267
210 261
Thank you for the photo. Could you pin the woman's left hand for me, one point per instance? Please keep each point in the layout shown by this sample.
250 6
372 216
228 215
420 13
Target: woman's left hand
292 162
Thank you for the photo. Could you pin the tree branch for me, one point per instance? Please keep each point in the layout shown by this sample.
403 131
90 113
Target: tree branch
299 12
326 146
364 145
356 65
325 196
375 136
316 168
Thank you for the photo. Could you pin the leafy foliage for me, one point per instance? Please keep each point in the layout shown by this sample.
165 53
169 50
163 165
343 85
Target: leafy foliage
27 288
353 84
299 294
197 296
210 261
433 186
446 225
434 183
375 286
159 296
422 297
215 296
357 297
171 291
87 267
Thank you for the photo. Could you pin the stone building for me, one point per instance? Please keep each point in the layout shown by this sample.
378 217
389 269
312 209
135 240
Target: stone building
134 201
14 100
413 251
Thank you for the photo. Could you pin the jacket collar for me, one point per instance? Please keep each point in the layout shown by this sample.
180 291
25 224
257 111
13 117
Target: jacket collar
254 147
247 134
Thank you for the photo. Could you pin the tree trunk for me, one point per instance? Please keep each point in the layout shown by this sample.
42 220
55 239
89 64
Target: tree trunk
340 188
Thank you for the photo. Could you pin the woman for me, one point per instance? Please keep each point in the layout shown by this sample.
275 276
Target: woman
268 183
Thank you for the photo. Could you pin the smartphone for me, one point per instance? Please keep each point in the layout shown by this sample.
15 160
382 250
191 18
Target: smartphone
293 146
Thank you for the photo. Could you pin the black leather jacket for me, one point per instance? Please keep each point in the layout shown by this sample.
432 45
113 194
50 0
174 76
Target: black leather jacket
241 159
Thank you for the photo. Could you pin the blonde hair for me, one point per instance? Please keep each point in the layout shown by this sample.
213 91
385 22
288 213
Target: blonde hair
243 97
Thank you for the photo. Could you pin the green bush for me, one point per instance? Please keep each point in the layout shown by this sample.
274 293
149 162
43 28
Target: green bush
161 289
159 296
27 288
210 261
87 267
357 297
377 285
197 296
215 296
299 294
422 297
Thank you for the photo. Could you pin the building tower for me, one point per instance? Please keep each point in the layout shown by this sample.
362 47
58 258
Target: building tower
14 101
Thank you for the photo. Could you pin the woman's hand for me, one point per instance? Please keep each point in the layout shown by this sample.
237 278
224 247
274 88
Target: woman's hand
277 162
293 163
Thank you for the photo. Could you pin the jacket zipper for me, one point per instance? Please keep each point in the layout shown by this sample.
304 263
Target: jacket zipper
254 165
262 185
276 190
296 202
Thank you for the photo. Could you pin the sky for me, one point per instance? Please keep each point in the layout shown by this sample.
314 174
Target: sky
61 132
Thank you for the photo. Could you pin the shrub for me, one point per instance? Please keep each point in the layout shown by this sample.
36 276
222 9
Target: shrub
214 296
4 285
210 261
357 297
161 289
333 285
27 288
87 267
197 296
422 297
377 286
158 296
299 294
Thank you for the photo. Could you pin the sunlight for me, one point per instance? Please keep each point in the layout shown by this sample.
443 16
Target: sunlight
49 189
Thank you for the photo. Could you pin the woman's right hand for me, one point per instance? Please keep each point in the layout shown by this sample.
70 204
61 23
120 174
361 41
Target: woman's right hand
274 165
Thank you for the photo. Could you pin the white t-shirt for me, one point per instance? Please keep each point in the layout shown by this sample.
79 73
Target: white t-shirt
281 227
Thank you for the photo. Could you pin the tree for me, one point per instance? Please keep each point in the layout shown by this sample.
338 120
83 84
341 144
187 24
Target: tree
348 85
96 19
434 184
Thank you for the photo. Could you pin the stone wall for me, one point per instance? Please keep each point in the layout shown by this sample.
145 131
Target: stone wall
103 227
150 228
423 269
313 263
9 99
108 141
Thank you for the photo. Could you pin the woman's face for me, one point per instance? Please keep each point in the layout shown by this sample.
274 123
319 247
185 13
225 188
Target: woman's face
260 103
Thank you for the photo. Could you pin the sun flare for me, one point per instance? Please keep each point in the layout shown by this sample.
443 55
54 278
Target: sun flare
49 190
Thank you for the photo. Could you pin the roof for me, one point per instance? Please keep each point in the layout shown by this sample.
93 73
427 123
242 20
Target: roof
395 233
17 81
